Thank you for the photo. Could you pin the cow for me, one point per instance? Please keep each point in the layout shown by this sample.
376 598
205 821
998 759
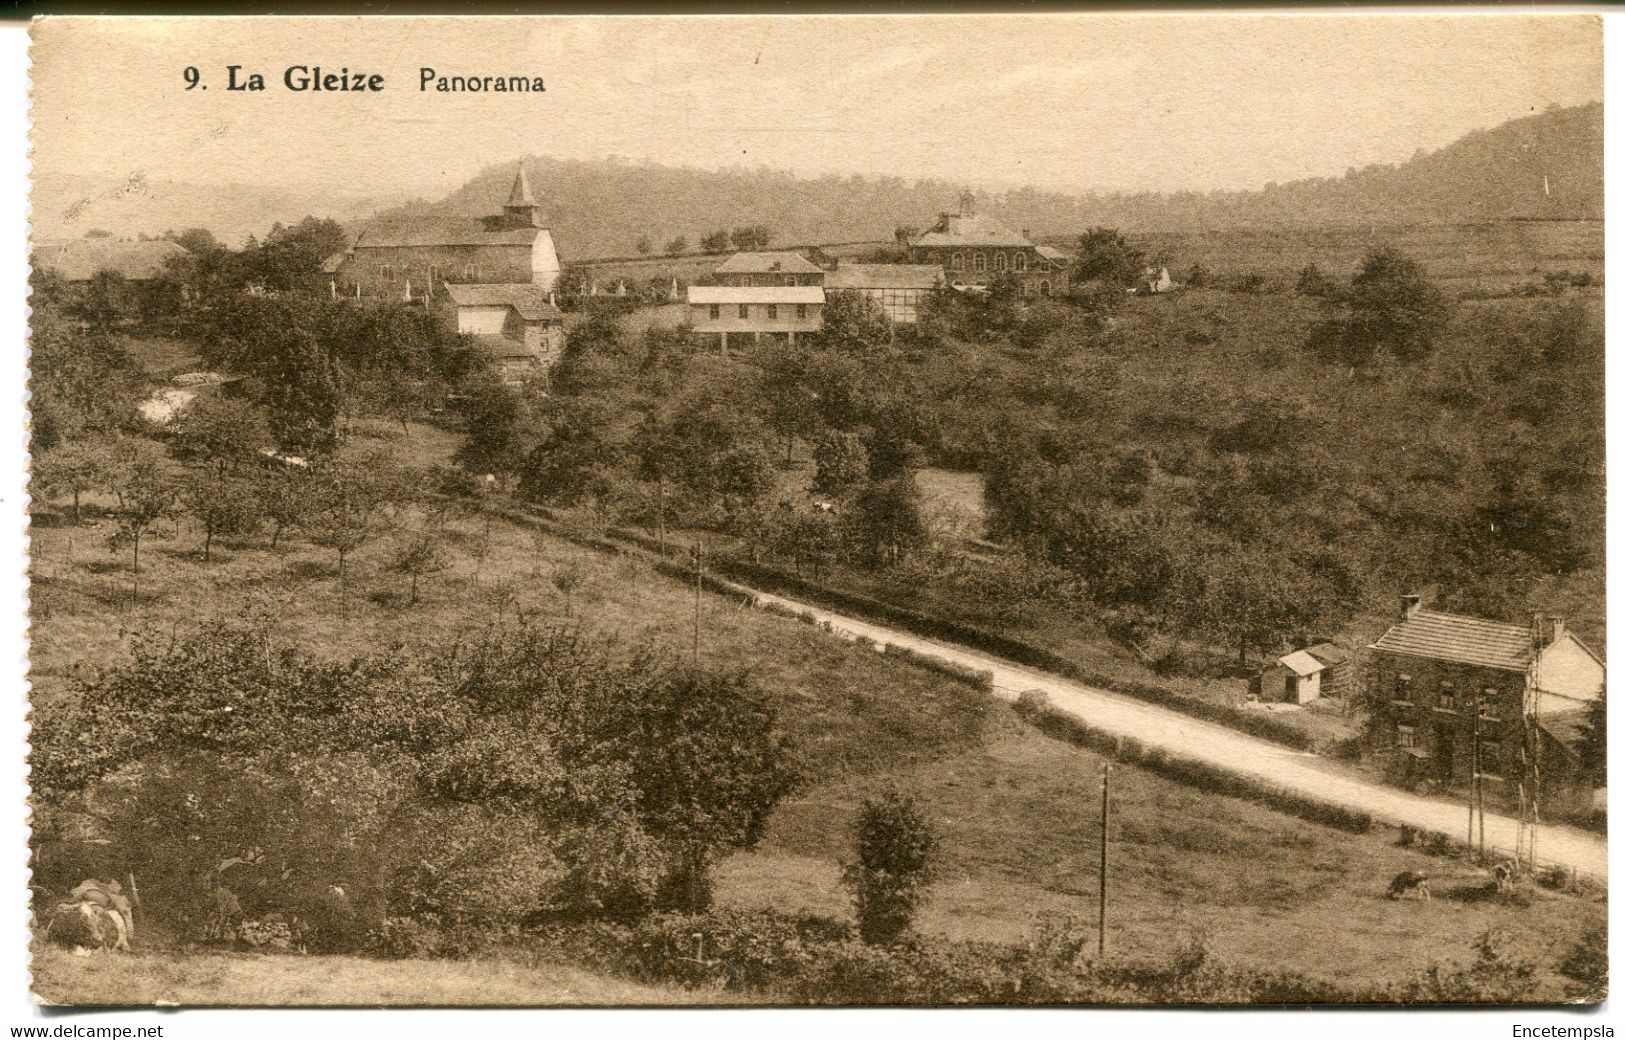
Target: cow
1504 872
1409 882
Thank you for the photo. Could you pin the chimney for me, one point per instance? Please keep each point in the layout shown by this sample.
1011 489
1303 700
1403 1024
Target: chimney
1409 605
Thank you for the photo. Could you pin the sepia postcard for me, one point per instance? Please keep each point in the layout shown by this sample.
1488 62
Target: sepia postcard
985 509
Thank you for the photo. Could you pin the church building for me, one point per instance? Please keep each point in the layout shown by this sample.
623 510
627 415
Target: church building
412 261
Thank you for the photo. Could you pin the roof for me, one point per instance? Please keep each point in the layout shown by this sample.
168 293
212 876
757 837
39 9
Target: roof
1328 653
527 299
970 229
334 262
755 294
520 195
83 258
1568 729
1302 662
466 232
1051 253
1465 640
884 276
783 262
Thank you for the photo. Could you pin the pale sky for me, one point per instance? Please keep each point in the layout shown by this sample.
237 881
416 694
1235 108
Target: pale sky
1065 102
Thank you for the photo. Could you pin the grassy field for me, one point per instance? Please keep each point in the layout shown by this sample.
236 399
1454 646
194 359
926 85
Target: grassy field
1486 258
1017 811
510 979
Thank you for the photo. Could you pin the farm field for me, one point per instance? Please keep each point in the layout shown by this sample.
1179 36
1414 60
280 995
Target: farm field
1185 863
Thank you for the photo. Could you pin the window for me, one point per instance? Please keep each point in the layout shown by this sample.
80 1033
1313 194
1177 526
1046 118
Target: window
958 262
744 310
772 312
1406 735
1489 756
801 310
1402 689
716 312
1447 696
1043 287
1000 262
1489 707
1021 261
979 262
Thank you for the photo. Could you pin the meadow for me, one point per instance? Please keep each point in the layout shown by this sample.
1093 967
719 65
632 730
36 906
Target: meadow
1017 811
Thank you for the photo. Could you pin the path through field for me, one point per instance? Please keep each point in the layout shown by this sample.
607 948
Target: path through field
1584 851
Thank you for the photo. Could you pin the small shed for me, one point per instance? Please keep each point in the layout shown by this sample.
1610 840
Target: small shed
1334 681
1293 679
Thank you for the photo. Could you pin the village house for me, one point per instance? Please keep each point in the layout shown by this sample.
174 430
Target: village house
897 289
412 262
1437 683
975 249
517 326
757 294
761 269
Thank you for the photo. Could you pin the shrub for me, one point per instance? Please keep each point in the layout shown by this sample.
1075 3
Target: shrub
895 863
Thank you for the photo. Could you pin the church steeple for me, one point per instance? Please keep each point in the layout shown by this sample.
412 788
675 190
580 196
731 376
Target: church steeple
521 208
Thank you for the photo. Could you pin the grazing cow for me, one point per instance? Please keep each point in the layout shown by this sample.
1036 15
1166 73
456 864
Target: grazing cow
1504 873
1409 882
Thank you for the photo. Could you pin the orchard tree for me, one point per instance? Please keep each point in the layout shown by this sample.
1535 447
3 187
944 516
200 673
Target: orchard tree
73 468
885 520
494 418
422 554
221 433
841 463
227 507
285 499
1104 255
146 497
751 237
349 502
896 852
854 323
677 246
715 242
1390 310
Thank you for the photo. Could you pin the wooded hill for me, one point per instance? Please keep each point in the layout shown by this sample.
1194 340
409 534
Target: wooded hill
1541 167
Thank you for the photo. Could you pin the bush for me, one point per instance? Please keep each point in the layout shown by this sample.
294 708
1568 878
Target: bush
895 863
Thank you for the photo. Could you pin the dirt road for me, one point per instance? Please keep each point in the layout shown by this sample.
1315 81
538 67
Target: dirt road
1582 850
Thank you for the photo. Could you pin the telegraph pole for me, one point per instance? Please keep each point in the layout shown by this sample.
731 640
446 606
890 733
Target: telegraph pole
1105 815
1472 783
696 552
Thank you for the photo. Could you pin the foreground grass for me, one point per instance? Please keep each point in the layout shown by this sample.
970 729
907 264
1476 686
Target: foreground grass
1019 821
147 978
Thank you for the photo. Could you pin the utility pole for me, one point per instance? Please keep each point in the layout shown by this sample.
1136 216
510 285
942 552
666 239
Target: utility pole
1105 815
1472 783
696 552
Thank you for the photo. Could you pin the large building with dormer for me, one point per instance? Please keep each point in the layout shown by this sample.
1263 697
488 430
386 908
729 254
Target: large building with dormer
974 249
412 262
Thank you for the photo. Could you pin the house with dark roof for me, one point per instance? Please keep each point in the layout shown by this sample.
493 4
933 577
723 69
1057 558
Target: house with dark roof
411 261
768 268
897 289
516 326
975 249
1448 691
